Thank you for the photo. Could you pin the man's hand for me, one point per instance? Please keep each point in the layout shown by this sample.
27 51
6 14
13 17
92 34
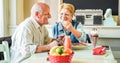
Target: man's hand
46 47
54 43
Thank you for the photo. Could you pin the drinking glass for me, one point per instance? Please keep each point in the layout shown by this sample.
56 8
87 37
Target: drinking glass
94 35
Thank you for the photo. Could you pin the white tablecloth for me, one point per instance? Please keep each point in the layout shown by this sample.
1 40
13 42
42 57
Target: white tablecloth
80 56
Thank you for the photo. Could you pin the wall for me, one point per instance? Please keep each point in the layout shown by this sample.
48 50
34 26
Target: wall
18 11
4 17
23 9
27 7
1 18
54 10
12 16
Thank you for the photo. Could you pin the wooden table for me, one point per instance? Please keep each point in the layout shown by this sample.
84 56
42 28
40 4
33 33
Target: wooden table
80 56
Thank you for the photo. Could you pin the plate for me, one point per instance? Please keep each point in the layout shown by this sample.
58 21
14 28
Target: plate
76 46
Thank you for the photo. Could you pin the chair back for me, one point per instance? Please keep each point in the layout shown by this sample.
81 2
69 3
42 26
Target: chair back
6 38
6 53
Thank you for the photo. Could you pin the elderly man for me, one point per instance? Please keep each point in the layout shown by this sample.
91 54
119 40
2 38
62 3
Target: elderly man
31 36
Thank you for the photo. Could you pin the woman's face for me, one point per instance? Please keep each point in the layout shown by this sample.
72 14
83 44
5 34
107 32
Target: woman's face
65 15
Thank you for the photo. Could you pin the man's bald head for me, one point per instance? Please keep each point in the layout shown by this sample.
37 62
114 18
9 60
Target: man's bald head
40 7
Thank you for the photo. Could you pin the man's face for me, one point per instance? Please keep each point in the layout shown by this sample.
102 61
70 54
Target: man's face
44 16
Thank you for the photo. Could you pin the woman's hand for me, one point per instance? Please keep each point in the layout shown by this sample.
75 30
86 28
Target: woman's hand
67 25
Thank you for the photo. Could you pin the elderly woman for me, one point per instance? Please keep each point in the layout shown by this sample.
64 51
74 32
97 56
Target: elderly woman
67 26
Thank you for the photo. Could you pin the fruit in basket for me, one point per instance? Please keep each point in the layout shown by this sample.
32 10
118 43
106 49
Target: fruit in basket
53 50
59 50
56 50
61 54
64 54
64 50
56 54
67 50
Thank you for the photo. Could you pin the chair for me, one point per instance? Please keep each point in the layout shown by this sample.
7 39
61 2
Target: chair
8 39
5 49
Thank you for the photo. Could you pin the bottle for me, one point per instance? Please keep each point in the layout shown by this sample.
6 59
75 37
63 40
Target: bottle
67 42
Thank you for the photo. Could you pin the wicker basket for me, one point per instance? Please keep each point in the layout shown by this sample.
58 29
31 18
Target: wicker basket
60 59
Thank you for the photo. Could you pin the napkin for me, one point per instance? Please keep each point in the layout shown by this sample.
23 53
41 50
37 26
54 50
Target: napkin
99 50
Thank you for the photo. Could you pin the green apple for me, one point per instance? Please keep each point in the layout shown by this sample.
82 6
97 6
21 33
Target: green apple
59 50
